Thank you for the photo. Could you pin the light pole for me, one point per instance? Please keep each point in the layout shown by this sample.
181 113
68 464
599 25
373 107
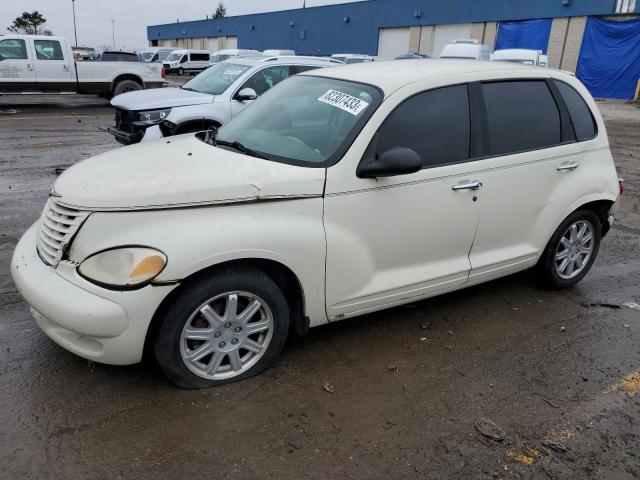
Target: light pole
75 32
113 33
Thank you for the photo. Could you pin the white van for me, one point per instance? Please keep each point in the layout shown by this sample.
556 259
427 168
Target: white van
470 49
535 58
155 54
187 61
222 55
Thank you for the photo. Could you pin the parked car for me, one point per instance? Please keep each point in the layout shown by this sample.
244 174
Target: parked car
187 61
520 55
209 100
108 56
329 198
43 64
222 55
155 54
411 56
352 57
278 53
466 49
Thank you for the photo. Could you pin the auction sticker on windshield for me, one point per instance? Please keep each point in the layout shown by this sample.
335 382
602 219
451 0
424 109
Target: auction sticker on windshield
343 101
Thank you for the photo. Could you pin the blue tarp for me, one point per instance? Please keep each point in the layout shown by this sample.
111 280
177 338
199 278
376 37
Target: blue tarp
530 34
609 63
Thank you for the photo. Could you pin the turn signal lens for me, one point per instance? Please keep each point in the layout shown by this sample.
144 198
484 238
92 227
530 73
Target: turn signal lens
123 267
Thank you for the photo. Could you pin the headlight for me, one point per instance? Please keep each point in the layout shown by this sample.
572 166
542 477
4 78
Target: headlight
153 116
123 267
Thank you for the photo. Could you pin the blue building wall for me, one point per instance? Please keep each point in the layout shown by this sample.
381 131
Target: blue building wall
353 27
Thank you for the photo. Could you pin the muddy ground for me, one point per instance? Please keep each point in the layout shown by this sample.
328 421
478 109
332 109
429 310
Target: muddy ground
408 384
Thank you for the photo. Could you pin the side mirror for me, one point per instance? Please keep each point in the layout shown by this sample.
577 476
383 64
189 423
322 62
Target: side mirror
246 94
395 161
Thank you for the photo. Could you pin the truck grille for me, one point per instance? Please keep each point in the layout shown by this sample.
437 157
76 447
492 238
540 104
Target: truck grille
58 224
124 120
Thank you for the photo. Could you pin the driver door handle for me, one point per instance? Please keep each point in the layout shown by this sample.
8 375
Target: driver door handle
29 67
475 185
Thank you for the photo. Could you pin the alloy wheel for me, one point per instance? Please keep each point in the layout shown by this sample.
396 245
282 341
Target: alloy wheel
226 335
574 249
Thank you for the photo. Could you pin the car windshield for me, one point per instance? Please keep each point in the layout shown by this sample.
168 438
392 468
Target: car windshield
174 57
147 56
217 78
163 55
304 120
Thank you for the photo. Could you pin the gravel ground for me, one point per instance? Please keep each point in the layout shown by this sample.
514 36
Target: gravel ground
560 379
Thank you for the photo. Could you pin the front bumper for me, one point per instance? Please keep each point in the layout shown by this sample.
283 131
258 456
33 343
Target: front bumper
126 138
94 323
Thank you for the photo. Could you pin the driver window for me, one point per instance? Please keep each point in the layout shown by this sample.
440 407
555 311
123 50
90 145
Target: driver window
13 50
267 78
184 59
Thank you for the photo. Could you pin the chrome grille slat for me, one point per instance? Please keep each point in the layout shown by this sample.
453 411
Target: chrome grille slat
58 224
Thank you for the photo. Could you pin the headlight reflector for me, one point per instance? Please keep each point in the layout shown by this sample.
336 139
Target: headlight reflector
152 117
123 267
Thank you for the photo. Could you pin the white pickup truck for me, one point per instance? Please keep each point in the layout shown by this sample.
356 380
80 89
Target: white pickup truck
42 64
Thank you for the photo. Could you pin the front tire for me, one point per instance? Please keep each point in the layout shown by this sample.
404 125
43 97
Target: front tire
181 71
570 253
222 328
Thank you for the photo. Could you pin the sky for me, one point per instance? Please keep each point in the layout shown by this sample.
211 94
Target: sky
93 17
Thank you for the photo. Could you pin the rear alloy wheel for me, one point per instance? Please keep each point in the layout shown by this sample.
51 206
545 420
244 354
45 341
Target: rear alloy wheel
571 251
222 328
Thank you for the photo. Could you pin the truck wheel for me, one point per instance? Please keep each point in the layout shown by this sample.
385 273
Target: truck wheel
181 71
124 86
223 328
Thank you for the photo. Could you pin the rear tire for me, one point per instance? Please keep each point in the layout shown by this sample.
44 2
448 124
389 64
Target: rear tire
181 71
209 336
570 253
124 86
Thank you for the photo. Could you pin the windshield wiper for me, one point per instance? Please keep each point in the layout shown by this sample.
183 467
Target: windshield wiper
189 89
239 147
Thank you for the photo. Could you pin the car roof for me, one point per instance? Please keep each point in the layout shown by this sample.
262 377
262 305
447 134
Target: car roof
283 59
394 74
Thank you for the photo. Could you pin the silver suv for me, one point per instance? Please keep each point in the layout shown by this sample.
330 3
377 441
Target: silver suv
210 99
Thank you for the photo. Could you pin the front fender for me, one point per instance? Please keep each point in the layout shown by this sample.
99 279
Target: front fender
289 232
210 112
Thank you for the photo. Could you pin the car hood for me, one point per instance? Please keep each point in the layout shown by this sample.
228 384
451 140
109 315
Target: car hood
155 98
180 172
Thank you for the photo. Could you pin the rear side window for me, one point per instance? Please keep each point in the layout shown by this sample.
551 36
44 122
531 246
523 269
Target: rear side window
435 124
581 116
48 50
521 116
199 57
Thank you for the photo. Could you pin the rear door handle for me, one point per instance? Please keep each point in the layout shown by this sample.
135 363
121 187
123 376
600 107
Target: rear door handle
567 166
475 185
66 68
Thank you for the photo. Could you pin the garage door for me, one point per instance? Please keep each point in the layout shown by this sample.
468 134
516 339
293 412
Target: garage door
232 42
447 34
393 41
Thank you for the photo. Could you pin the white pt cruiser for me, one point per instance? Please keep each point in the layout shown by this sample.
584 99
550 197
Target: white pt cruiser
341 191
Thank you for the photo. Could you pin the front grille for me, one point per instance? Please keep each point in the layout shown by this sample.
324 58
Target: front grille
124 120
58 224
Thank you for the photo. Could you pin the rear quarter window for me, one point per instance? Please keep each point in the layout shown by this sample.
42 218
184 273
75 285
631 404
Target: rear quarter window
581 117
